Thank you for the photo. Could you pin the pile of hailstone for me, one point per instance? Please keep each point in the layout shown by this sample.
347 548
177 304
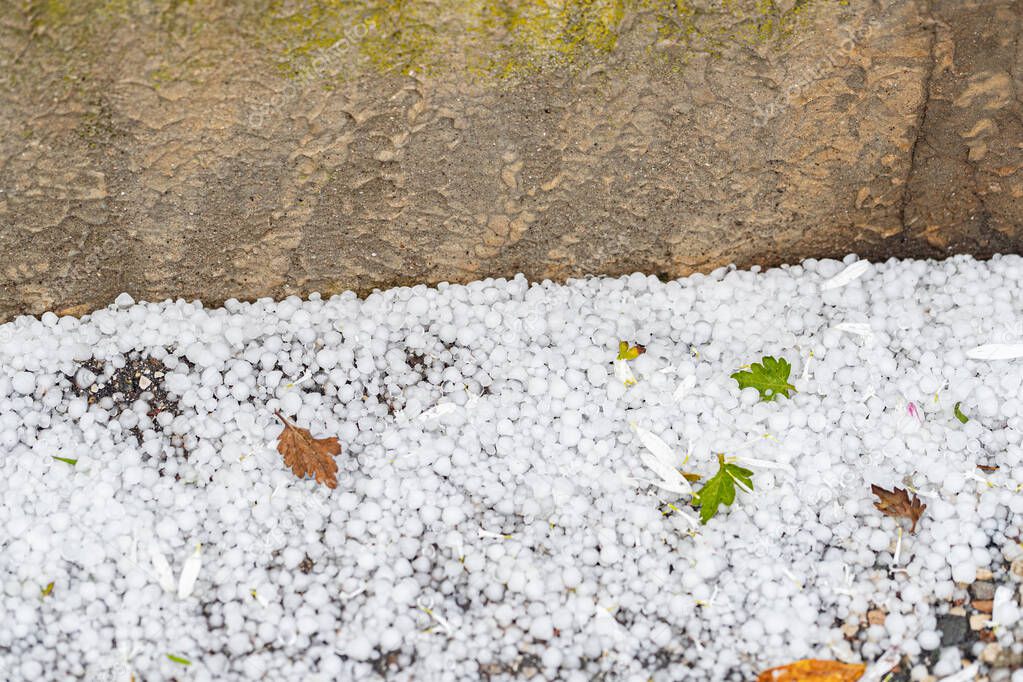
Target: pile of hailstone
495 517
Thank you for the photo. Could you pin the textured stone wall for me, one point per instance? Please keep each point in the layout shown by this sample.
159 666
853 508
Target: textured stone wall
221 149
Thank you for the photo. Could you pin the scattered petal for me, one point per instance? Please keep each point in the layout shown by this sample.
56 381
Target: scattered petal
472 399
624 373
437 411
854 271
687 384
659 458
996 351
189 573
880 668
806 368
856 328
162 568
259 598
764 464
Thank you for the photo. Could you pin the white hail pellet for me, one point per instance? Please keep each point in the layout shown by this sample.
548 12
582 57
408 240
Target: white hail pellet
507 504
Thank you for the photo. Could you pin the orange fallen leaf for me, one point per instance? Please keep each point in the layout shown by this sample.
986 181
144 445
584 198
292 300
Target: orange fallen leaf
810 670
898 503
308 456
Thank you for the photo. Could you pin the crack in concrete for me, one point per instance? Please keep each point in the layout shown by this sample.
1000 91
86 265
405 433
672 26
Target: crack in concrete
921 121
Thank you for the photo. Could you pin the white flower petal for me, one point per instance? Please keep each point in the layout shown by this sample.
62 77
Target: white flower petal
881 667
661 450
659 458
765 464
189 573
852 272
687 384
671 479
437 411
260 599
996 351
806 367
898 549
161 568
624 373
857 328
473 399
690 520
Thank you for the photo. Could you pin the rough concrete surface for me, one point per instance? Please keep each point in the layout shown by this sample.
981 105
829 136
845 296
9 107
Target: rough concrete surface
218 149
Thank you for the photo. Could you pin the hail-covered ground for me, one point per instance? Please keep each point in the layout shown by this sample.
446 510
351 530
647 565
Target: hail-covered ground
505 508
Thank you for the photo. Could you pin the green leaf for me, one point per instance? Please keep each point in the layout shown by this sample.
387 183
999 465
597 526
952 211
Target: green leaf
179 659
72 462
770 376
959 414
48 590
720 489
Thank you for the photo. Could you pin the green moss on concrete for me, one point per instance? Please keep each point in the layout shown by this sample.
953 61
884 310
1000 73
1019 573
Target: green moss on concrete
494 39
405 36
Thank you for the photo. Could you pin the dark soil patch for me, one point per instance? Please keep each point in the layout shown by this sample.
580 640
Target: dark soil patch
141 378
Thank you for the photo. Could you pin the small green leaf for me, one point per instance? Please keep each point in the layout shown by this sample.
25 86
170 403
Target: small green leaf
720 489
179 659
770 377
48 590
66 460
959 414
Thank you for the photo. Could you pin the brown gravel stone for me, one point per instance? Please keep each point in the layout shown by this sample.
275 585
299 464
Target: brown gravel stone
983 605
982 590
991 652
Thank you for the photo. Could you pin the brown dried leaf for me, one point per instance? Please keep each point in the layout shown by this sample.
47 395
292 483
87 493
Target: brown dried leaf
308 456
898 503
814 671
